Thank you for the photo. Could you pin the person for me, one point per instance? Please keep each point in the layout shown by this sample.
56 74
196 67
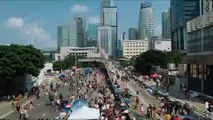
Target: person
168 116
25 114
13 104
142 110
148 112
21 112
207 105
31 105
137 101
17 106
176 118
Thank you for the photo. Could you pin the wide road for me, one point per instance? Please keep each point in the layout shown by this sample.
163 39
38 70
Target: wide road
41 109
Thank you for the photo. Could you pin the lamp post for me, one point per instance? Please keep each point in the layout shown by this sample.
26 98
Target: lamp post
28 37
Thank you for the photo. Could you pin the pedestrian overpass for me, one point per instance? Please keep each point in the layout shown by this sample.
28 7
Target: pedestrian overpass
91 60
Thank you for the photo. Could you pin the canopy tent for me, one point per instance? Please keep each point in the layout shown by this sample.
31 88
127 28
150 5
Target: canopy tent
77 104
85 113
64 76
155 75
87 71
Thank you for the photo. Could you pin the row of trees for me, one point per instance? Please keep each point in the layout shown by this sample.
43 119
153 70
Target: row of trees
67 63
19 60
145 61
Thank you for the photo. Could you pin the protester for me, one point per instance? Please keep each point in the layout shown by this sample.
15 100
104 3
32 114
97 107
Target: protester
31 105
142 110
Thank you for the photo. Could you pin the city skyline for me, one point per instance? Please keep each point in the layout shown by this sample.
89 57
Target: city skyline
43 20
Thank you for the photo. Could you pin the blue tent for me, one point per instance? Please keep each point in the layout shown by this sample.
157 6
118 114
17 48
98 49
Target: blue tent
62 75
78 104
127 101
87 71
118 91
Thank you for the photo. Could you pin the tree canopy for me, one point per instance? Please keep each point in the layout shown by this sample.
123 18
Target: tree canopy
17 60
67 63
145 61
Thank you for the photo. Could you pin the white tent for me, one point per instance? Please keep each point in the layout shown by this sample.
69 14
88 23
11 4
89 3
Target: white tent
85 113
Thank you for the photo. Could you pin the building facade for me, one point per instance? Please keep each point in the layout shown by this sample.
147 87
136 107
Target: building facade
133 34
63 36
92 31
105 39
161 44
181 12
200 53
110 20
104 3
92 36
134 47
146 21
89 52
80 31
166 24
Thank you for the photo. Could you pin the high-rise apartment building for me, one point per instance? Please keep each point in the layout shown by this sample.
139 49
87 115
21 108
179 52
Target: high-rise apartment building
146 21
182 11
63 36
133 34
166 24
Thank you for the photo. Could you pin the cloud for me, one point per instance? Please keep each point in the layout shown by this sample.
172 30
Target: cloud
14 22
79 8
93 20
39 35
158 30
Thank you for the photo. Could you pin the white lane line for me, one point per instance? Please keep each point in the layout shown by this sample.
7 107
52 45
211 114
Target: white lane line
5 115
145 103
43 115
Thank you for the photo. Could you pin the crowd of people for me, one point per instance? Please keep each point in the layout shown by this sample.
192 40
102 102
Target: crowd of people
168 109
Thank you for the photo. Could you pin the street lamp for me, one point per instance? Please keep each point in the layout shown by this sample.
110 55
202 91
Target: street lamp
28 37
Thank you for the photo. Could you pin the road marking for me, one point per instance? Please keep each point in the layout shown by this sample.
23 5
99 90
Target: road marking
5 115
145 103
43 115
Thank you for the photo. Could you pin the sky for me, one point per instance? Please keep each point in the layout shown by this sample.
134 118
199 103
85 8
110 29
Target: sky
37 20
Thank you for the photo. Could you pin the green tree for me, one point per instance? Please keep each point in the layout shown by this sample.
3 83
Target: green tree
144 62
70 61
174 57
18 60
59 65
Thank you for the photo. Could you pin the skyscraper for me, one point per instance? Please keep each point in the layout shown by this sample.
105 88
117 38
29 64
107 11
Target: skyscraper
110 20
80 31
181 12
76 32
73 34
104 3
166 24
92 31
146 20
133 34
63 36
92 35
105 39
200 51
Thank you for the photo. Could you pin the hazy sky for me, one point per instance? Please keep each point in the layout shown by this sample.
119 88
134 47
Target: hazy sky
42 17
